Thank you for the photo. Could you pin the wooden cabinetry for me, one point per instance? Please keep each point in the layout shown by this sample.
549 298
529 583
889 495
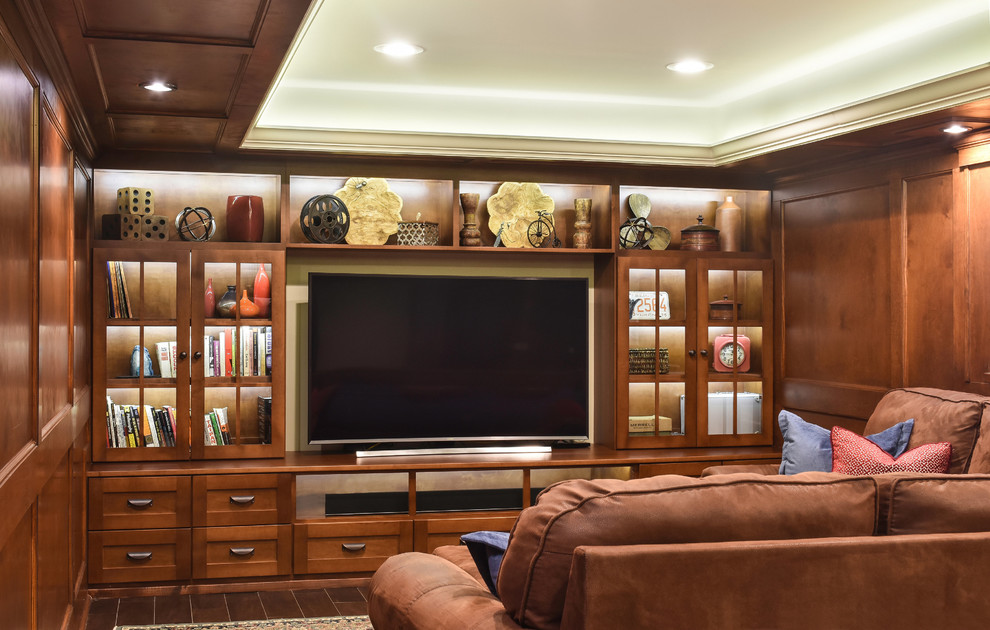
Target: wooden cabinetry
694 333
177 527
206 387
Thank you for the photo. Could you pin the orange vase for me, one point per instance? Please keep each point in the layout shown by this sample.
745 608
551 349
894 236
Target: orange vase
248 308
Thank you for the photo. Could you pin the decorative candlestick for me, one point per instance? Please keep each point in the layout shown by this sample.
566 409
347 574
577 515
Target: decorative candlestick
582 223
470 234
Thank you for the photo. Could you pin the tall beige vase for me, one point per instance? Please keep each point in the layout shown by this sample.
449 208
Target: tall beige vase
729 223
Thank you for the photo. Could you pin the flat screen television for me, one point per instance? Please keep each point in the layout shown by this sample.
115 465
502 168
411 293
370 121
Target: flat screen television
448 360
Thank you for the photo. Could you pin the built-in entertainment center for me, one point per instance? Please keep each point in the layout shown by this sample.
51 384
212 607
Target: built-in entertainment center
601 352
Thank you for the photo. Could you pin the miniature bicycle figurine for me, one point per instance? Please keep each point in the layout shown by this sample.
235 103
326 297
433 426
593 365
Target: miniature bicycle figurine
541 231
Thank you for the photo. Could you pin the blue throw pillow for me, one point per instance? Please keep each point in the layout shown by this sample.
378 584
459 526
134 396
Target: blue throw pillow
487 549
808 446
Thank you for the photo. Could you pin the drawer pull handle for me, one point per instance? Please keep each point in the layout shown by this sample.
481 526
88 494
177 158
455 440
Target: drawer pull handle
242 551
246 499
139 555
353 546
139 504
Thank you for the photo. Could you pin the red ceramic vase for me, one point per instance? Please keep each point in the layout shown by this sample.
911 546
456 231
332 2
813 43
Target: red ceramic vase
210 300
262 290
245 218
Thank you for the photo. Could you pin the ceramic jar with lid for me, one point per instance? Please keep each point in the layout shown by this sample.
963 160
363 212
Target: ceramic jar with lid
700 237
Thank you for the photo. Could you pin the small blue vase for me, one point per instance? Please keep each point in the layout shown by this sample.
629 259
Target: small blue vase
136 362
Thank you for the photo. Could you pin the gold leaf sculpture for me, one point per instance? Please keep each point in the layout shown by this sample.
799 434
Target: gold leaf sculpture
515 206
374 209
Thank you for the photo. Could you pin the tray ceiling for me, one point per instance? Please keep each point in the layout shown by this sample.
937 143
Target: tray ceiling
581 80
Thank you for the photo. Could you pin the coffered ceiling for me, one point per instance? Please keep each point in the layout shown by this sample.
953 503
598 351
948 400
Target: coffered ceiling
575 80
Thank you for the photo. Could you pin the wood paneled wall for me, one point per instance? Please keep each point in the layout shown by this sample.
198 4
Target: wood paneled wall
883 280
44 323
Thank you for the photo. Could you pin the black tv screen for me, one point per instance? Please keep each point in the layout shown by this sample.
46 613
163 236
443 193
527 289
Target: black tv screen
399 358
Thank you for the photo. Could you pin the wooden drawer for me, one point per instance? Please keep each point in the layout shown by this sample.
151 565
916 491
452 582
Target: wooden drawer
340 547
256 550
138 502
264 499
431 533
151 555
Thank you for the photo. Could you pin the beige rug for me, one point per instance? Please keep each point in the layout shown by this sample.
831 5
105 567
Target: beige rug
313 623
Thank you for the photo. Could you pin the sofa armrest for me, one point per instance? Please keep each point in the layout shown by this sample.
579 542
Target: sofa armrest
727 469
936 580
418 590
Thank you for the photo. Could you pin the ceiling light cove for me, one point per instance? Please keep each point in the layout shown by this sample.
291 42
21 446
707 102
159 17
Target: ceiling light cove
690 66
158 86
399 49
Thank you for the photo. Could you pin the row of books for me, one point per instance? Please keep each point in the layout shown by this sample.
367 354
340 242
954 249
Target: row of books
133 426
254 357
216 431
118 299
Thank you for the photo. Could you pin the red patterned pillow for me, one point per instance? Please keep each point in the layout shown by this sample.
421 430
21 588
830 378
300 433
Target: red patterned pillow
855 455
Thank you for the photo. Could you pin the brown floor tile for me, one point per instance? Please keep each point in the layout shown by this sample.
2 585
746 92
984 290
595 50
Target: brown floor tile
315 603
245 607
136 611
280 605
173 609
102 614
349 594
209 607
352 608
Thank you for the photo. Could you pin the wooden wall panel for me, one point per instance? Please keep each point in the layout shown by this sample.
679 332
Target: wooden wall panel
929 357
836 281
978 322
17 576
17 98
53 555
54 242
81 186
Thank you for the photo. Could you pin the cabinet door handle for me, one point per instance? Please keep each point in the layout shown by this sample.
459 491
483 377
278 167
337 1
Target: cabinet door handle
691 353
353 546
139 555
242 551
197 355
183 355
704 353
140 504
246 499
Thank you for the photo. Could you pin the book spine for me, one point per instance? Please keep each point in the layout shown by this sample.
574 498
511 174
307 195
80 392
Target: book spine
134 433
173 356
221 413
125 297
245 364
209 438
170 424
268 350
222 371
215 425
148 427
111 291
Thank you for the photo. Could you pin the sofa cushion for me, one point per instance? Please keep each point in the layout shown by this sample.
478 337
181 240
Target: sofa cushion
932 504
808 446
855 455
532 581
980 461
939 416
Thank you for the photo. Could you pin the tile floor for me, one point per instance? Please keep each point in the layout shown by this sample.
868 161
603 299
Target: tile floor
106 613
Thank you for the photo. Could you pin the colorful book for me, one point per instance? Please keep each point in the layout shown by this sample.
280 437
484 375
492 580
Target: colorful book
209 437
164 359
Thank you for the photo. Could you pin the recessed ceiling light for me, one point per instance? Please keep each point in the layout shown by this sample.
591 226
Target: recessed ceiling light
399 49
957 128
159 86
690 66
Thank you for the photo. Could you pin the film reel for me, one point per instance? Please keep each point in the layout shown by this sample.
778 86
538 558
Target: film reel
324 219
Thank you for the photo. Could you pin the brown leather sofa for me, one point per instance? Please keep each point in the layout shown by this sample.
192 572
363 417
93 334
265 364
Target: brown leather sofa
742 550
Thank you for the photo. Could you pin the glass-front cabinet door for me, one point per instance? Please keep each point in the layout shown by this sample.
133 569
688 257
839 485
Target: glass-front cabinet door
656 371
237 324
734 326
694 358
140 356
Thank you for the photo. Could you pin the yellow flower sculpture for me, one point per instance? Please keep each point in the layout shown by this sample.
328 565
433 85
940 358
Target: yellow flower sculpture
374 209
515 206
